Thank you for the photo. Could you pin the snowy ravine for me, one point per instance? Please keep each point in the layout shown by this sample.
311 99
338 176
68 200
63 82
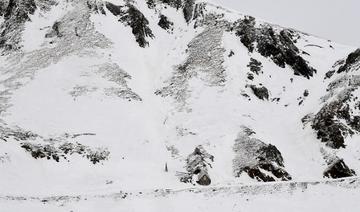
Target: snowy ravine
146 105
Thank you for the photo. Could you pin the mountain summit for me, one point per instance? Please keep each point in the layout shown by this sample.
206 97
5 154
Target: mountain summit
102 95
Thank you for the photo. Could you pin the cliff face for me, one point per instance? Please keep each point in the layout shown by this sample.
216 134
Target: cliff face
118 89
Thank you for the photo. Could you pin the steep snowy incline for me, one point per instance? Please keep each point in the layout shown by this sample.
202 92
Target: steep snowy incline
107 95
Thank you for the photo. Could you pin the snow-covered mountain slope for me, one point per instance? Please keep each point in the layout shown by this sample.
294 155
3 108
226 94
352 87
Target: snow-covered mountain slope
119 94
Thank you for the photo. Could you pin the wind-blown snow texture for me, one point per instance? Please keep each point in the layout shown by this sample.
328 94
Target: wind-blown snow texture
105 96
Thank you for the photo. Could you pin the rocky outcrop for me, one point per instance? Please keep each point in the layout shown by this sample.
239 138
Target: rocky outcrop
351 60
172 3
189 7
329 124
50 151
260 92
338 170
54 148
19 10
338 118
15 14
255 66
96 6
55 30
197 166
279 46
165 23
131 16
188 10
260 161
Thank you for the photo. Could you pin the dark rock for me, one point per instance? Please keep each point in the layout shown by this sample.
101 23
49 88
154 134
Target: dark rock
139 24
306 93
329 74
55 30
50 151
339 170
151 4
15 14
245 29
114 9
197 165
255 173
270 152
258 159
199 12
250 76
260 92
188 10
203 179
328 127
255 66
165 23
353 58
231 53
172 3
133 17
279 47
20 10
96 8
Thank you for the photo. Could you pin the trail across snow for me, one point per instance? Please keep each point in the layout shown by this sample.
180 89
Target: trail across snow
330 196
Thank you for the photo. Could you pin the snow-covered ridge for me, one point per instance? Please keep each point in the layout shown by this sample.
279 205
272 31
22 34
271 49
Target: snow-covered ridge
139 95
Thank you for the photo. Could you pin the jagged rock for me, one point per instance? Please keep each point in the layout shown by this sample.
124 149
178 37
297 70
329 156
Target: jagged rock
250 76
279 47
131 16
38 151
15 14
337 120
306 93
255 66
95 6
329 129
173 3
165 23
151 4
55 30
270 152
353 58
50 151
245 29
188 10
114 9
197 165
231 53
338 170
20 10
203 179
257 159
260 92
